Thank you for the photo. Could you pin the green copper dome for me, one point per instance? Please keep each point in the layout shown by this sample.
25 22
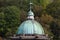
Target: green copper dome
30 27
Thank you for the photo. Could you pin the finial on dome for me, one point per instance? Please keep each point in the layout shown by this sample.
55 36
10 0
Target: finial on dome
30 13
30 5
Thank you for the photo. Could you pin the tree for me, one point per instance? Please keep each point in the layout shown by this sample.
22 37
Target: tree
54 9
55 30
44 3
10 20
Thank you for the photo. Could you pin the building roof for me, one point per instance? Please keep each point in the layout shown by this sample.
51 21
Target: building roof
30 27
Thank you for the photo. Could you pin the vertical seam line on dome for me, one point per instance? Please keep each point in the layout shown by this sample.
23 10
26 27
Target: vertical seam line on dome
33 27
42 29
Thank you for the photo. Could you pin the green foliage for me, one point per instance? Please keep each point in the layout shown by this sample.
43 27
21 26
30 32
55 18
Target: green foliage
2 21
9 19
54 9
44 3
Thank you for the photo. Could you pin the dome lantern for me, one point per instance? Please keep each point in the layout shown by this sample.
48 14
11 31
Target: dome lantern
30 13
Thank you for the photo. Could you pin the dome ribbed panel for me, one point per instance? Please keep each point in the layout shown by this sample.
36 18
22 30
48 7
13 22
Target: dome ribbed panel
30 27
